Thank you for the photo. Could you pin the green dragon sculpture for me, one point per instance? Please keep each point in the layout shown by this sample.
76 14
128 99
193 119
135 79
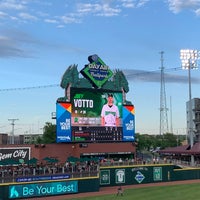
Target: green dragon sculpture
71 78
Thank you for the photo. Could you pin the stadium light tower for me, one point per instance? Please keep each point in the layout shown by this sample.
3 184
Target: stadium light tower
189 59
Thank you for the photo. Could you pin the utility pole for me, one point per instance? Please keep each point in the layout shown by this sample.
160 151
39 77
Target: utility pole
163 106
171 123
13 128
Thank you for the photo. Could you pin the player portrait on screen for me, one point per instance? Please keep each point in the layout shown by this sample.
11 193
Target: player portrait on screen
110 113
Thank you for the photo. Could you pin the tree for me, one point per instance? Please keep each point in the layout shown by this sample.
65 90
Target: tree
169 140
144 141
147 142
49 134
39 140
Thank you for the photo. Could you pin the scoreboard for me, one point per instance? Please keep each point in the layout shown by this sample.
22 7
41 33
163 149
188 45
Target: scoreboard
79 120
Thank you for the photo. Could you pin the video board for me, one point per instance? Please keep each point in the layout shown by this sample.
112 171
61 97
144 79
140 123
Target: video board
81 119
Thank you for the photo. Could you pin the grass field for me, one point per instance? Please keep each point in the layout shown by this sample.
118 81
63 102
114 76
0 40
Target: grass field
174 192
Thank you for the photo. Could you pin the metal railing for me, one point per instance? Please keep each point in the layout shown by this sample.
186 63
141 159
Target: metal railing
31 173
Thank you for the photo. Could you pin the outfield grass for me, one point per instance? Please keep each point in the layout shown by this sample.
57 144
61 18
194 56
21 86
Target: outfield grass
174 192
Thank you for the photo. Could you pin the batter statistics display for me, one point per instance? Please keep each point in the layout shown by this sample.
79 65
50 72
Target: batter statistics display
88 117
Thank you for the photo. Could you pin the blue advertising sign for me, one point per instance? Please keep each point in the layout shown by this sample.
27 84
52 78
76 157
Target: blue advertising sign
128 123
42 189
42 178
63 122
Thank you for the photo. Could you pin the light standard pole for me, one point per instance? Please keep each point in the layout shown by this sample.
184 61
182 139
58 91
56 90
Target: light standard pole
12 141
189 59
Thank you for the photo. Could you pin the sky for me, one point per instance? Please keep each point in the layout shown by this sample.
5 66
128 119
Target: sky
40 39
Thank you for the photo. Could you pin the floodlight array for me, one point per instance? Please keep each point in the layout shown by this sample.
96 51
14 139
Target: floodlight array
189 58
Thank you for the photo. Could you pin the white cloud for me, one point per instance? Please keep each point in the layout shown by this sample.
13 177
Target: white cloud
197 12
108 11
22 10
27 16
133 3
177 6
128 3
60 26
87 8
103 9
69 19
142 3
51 21
14 18
2 15
12 4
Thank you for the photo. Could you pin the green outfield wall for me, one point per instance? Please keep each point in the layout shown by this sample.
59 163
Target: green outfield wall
108 176
142 174
136 174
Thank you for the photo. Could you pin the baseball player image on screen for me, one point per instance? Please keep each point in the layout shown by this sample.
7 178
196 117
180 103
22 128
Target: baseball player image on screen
110 113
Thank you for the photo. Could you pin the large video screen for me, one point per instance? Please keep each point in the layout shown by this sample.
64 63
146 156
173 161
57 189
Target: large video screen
94 115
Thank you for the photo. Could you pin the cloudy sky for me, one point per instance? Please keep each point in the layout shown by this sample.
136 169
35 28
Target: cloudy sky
40 39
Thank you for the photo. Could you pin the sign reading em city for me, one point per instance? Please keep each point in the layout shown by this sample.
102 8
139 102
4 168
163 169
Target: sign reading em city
14 154
96 71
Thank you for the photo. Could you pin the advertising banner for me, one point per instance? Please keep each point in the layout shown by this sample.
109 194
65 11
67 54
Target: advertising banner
63 121
14 155
128 123
42 189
